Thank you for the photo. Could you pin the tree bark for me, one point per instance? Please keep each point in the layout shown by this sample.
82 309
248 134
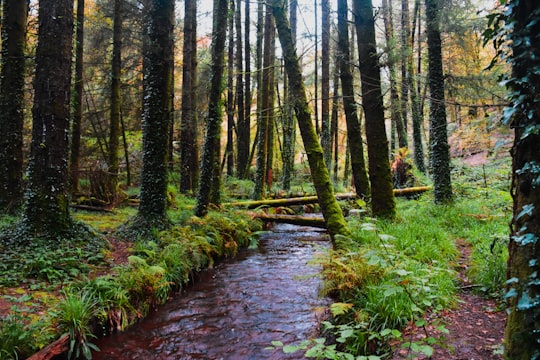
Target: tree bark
229 147
354 132
330 208
46 201
189 147
76 115
382 197
522 340
15 13
240 101
157 53
116 101
439 149
210 178
326 139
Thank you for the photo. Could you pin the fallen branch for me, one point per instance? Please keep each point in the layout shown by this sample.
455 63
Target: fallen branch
292 219
90 208
56 348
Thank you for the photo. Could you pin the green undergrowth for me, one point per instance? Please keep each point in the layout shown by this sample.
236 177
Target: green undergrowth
97 300
390 274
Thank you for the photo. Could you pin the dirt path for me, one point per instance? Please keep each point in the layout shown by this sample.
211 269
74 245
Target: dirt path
475 327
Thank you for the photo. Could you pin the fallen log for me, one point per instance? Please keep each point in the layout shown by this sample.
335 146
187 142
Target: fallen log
253 204
56 348
317 222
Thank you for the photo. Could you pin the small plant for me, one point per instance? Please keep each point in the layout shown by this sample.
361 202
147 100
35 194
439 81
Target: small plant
74 316
15 339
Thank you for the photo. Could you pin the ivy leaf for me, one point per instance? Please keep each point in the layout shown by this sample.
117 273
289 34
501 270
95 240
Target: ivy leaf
526 210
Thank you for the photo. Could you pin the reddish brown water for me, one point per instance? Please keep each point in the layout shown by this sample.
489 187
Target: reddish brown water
237 309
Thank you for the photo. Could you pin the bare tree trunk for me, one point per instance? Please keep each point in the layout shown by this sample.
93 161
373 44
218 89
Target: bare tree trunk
229 149
189 147
210 178
354 132
240 101
330 208
382 196
326 140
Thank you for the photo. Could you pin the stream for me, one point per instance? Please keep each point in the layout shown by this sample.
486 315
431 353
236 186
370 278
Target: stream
236 309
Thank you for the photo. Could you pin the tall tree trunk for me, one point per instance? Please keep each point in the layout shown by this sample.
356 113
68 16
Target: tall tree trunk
240 102
354 132
326 140
522 340
189 148
331 210
382 195
157 53
439 149
264 127
15 13
244 131
335 119
116 101
289 123
46 207
210 178
417 118
229 148
76 114
395 103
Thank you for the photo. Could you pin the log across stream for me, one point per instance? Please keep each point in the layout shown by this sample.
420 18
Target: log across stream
237 309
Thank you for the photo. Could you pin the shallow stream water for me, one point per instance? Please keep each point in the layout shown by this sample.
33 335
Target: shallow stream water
236 309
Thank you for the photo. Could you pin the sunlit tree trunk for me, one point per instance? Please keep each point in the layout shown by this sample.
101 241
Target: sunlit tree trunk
46 210
522 340
189 148
210 160
157 53
405 34
354 132
439 149
329 206
116 101
382 195
334 119
15 13
77 96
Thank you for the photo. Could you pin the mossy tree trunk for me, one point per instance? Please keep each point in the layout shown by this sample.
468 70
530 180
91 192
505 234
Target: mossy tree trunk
210 161
77 96
522 340
157 53
354 131
189 149
438 142
329 206
15 13
46 210
229 147
382 196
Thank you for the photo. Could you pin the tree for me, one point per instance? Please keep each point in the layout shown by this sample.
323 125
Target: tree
326 140
354 133
382 195
331 210
116 101
439 149
78 86
210 166
229 147
12 74
522 340
46 211
241 118
189 148
157 53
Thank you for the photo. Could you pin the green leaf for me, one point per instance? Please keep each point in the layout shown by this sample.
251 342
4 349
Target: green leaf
289 349
277 343
340 308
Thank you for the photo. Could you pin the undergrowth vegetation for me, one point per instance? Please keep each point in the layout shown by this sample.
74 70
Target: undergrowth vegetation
92 295
392 274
